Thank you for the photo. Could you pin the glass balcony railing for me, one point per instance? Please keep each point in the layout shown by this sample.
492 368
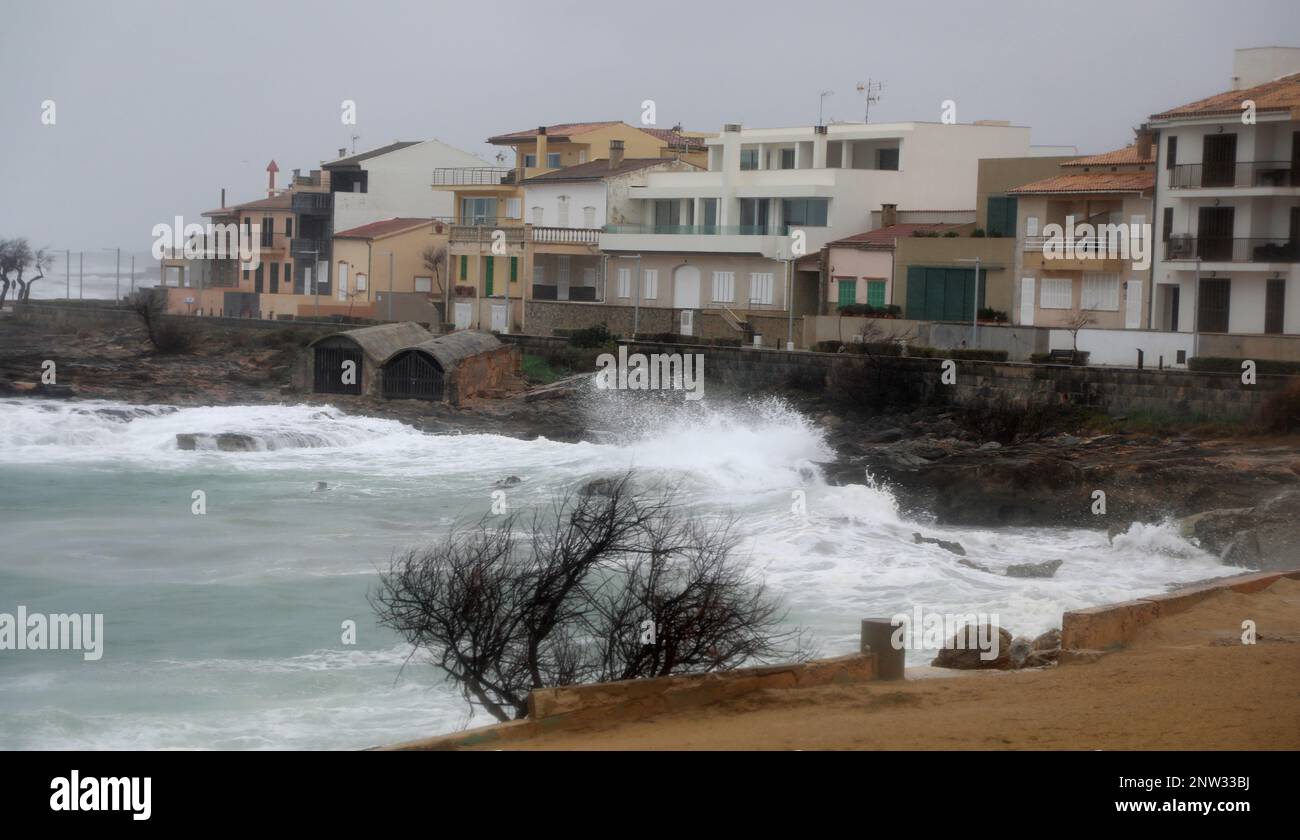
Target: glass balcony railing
702 230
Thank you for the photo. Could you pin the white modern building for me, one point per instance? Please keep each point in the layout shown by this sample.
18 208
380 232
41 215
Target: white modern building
392 182
725 238
1227 207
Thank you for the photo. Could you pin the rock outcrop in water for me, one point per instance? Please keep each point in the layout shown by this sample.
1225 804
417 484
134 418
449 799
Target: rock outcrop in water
963 653
1264 536
223 441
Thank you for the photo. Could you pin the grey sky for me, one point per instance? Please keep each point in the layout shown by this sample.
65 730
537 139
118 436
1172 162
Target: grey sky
160 105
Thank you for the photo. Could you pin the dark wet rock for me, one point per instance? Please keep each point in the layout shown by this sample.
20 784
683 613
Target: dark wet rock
599 487
890 435
962 650
990 446
1021 648
224 441
947 545
1034 570
321 487
971 564
1051 640
509 481
1265 536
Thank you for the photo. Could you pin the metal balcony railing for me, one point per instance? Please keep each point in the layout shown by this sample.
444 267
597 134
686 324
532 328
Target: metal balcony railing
1229 249
313 203
1255 173
465 176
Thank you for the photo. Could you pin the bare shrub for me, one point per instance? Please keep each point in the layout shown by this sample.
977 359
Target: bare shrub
609 584
167 335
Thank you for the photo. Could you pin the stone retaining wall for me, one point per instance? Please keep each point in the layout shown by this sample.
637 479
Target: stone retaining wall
1114 626
552 709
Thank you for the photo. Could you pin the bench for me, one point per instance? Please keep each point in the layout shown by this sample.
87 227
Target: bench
1064 357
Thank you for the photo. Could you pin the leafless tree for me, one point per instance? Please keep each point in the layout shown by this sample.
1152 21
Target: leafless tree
166 335
608 584
435 260
16 258
1076 322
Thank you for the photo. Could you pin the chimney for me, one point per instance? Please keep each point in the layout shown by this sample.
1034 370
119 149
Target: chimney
297 173
343 151
1145 137
615 153
271 169
888 215
541 147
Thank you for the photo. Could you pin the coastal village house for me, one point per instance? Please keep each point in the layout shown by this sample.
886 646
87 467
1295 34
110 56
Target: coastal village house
384 269
720 241
1227 205
1088 286
493 283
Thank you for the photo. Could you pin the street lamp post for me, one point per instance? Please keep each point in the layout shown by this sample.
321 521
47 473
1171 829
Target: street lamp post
975 314
390 283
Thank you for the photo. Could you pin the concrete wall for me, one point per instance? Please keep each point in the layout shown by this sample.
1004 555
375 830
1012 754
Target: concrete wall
997 257
1019 342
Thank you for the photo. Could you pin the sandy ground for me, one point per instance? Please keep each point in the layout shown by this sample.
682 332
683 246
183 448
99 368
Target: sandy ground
1187 683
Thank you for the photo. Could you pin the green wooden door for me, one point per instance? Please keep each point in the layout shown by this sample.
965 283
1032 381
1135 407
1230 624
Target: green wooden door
487 276
943 294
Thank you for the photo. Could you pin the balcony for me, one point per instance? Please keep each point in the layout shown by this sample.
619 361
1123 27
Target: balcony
483 232
474 176
313 203
1239 175
1239 250
310 248
566 236
700 230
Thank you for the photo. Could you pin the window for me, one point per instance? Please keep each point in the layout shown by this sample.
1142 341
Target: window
464 267
753 215
589 278
625 282
787 158
1001 216
1100 291
666 212
724 287
1057 293
514 208
343 281
804 211
514 269
582 156
530 161
848 290
478 211
1171 152
748 159
488 262
257 287
539 274
562 211
424 284
760 287
268 231
563 268
1274 305
537 216
589 217
553 160
709 207
1167 225
361 282
650 287
876 292
288 227
275 278
1214 305
887 159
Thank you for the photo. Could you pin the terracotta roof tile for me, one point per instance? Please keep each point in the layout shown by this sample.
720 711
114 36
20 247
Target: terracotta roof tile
1090 182
676 140
1126 155
885 237
1278 95
382 228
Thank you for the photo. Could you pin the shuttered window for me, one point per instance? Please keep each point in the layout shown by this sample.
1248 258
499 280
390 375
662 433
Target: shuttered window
487 276
651 290
1100 291
625 282
1001 215
1057 293
848 292
876 292
760 287
724 287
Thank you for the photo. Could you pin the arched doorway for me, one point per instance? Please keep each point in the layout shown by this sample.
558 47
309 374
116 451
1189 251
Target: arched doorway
413 375
686 287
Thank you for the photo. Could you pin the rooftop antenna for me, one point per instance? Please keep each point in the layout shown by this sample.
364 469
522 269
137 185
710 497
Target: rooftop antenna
820 102
871 92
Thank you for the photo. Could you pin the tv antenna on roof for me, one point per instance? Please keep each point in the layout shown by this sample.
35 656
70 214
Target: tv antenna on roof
821 101
871 92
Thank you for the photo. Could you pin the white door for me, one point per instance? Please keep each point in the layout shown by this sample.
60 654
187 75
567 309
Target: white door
464 314
686 287
499 317
343 281
688 322
1027 301
562 281
1133 309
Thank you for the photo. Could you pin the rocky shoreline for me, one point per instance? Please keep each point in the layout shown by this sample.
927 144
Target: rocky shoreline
1238 496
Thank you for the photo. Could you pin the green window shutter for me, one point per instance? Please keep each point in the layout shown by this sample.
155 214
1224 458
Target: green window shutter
464 267
876 292
1002 215
848 291
514 269
487 276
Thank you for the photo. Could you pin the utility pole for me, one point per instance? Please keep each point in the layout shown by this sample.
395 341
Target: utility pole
67 273
132 274
81 275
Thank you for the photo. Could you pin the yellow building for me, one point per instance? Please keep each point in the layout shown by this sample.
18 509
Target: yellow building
492 242
394 270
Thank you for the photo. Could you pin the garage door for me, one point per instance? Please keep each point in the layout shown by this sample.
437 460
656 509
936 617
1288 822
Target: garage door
943 294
